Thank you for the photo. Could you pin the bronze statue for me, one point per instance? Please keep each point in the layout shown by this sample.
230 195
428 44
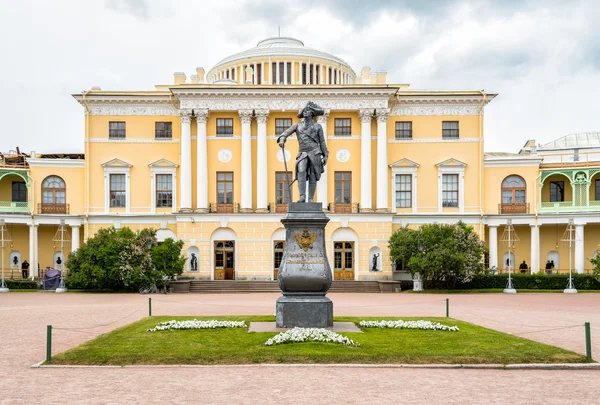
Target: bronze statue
375 256
312 151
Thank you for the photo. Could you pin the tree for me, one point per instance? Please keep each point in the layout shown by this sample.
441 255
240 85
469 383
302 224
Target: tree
121 259
442 254
595 260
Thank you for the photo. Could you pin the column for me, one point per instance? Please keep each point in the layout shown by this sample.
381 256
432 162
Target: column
327 75
33 251
254 78
246 203
579 248
186 162
534 262
322 184
293 73
270 72
300 73
261 161
493 245
382 160
365 160
314 73
262 74
74 237
277 72
201 163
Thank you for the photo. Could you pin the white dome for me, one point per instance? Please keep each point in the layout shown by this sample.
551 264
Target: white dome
581 140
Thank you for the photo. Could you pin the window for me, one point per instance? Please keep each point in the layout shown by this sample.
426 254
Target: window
117 190
343 126
225 188
19 191
164 190
282 179
278 248
513 190
449 190
116 129
304 79
53 191
597 190
343 255
343 191
224 126
163 130
281 124
557 191
403 191
403 129
450 129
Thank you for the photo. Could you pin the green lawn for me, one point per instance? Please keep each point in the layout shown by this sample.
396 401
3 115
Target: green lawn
132 344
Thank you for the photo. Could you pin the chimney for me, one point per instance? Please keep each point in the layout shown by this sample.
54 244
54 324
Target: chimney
179 78
366 75
32 154
194 79
200 74
381 77
249 73
96 88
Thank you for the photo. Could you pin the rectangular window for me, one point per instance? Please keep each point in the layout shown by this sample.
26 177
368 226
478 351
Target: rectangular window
450 129
117 190
19 191
163 130
224 188
224 126
282 179
343 126
343 255
281 73
557 191
403 191
450 190
304 74
403 129
259 73
343 191
164 190
116 129
281 124
597 190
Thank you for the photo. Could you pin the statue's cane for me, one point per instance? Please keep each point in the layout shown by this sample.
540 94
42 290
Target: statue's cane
289 187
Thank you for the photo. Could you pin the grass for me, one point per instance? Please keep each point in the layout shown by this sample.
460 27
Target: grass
132 344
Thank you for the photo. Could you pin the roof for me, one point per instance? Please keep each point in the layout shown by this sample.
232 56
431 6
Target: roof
581 140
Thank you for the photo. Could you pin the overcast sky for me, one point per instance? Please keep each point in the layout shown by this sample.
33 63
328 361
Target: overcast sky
542 57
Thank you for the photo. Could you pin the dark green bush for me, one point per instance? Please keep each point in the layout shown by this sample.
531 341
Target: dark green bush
531 282
21 284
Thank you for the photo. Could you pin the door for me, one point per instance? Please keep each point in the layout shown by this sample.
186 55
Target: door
229 268
224 260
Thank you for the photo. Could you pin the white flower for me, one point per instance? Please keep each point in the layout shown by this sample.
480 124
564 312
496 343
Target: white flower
197 324
298 335
400 324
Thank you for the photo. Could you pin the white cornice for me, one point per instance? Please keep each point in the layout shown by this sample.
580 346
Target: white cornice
512 161
133 140
404 109
434 140
41 162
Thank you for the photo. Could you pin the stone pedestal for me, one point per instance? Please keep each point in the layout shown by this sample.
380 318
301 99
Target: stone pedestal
304 274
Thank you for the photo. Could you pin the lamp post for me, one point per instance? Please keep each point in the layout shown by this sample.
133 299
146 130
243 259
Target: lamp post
570 239
61 236
4 240
510 237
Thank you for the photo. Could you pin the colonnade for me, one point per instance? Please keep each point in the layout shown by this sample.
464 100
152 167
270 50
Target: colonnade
246 203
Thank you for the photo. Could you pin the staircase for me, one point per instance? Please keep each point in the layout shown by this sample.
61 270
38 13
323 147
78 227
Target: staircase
243 286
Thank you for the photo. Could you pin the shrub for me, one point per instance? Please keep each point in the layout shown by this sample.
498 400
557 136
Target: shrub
531 281
21 284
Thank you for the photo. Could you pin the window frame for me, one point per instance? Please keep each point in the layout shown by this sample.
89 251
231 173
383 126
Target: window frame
281 185
343 259
225 206
558 188
21 188
342 207
450 133
114 191
513 191
410 191
278 127
168 201
339 127
117 133
222 130
278 249
163 133
402 132
457 183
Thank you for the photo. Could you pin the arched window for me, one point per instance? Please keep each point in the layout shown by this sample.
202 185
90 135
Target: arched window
54 195
513 195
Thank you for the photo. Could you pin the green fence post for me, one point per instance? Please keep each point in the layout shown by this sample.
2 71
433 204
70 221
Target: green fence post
447 307
588 341
49 344
149 306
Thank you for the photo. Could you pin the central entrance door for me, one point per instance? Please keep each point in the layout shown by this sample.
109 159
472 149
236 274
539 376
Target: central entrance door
224 260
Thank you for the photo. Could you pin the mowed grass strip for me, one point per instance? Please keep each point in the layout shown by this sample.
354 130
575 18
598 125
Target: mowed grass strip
132 344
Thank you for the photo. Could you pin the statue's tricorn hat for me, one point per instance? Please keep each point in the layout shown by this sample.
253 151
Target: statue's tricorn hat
316 110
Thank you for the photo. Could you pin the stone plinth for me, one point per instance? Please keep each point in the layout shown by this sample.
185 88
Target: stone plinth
304 273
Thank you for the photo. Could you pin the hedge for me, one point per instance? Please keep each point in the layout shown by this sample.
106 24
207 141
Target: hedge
532 282
21 284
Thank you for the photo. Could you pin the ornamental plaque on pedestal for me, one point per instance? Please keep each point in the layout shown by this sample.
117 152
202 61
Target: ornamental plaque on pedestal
304 273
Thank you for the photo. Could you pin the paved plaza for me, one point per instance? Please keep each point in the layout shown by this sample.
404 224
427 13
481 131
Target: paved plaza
24 316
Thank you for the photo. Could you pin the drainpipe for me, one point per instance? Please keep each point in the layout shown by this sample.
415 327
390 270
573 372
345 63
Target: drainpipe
86 164
481 163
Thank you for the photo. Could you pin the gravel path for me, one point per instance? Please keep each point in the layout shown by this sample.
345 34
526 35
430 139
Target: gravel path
24 316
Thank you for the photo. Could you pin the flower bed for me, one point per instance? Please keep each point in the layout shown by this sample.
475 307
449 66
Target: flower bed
400 324
196 324
299 335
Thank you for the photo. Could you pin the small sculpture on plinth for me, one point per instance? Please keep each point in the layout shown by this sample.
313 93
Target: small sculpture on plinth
375 256
193 262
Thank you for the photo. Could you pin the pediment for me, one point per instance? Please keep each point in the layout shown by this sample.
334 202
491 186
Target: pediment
163 163
116 163
451 163
404 163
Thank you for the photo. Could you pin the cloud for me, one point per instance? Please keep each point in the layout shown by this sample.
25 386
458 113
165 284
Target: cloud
137 8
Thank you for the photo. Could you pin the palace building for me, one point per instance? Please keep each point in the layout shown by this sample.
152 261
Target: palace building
198 161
